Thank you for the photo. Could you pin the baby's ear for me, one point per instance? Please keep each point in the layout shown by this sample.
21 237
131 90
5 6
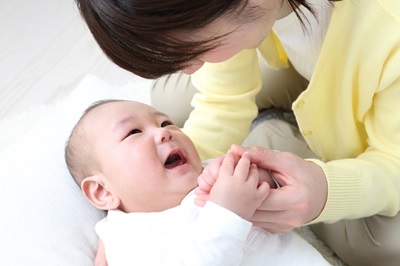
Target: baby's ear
94 190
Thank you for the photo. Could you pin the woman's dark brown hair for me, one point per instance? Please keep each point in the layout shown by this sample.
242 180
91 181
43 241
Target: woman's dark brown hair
141 35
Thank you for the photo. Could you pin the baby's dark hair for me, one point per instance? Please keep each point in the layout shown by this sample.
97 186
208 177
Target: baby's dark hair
146 37
79 157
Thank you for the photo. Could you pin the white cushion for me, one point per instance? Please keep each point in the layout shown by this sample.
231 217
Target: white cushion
45 218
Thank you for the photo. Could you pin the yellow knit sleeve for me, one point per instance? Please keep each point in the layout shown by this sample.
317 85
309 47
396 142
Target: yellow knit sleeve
225 105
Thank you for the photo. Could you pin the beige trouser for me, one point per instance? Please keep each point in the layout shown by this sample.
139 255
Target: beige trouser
367 242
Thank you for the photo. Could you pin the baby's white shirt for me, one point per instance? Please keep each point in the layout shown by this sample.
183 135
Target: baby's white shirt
190 235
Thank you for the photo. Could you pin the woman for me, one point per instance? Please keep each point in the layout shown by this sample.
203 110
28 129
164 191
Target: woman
341 80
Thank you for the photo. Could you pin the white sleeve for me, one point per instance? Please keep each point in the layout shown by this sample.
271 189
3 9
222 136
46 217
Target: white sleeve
216 238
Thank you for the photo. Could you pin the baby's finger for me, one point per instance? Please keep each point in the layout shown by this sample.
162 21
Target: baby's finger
201 200
264 189
253 176
206 180
228 165
243 167
200 191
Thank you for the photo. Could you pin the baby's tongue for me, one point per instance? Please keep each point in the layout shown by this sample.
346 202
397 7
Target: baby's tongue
173 161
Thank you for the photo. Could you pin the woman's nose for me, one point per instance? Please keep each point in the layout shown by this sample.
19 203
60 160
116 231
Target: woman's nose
163 135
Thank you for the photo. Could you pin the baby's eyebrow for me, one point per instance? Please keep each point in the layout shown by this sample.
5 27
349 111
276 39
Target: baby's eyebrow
119 124
158 113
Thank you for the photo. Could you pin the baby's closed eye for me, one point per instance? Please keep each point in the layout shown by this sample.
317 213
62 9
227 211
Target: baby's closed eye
166 123
133 131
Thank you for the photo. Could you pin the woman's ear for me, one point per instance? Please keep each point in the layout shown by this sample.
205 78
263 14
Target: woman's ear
94 190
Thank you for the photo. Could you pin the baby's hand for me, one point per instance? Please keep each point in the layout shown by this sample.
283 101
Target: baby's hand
237 187
209 175
100 259
207 180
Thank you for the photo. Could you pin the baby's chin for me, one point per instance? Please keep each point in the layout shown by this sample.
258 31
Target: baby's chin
190 188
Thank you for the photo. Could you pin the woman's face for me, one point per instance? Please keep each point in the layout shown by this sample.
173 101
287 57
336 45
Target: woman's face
239 36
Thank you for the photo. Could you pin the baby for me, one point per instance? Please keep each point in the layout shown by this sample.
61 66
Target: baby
131 160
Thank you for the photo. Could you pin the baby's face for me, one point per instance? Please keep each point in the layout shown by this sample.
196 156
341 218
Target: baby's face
148 162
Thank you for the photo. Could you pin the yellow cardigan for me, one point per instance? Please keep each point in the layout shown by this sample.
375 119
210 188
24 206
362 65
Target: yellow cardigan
349 114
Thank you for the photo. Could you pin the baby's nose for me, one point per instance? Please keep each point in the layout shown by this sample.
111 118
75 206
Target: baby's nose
163 135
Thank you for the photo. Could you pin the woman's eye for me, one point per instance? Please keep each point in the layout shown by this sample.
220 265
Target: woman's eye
166 123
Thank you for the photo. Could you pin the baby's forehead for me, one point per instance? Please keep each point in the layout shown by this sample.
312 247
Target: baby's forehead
122 103
115 112
121 107
132 108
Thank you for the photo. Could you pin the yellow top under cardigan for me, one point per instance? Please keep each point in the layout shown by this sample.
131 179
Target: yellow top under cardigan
349 114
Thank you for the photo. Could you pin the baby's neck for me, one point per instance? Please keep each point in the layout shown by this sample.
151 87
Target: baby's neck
149 209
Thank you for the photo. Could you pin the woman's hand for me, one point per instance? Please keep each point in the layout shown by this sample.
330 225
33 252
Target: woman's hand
302 194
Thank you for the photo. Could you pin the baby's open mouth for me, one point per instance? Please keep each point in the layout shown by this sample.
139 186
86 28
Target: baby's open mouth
174 159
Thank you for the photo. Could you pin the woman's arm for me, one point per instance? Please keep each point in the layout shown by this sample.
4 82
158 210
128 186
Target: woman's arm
225 105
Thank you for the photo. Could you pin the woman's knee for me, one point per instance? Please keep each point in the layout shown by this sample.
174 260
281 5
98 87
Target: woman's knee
368 241
280 88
